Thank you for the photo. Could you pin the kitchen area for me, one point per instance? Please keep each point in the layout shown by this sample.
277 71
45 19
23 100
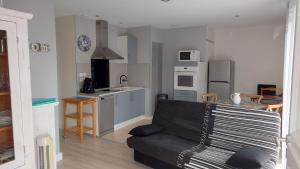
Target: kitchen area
99 61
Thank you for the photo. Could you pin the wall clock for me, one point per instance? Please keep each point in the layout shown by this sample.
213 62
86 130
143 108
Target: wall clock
84 43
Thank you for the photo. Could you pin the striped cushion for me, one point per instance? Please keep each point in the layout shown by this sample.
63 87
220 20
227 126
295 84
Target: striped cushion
235 128
228 129
215 158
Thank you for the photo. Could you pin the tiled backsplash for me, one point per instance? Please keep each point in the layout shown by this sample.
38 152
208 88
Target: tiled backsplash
115 71
139 75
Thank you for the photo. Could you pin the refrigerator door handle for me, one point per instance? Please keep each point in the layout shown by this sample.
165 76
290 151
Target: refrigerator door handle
219 82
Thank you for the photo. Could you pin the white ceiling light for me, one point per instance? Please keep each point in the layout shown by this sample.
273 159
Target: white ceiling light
165 0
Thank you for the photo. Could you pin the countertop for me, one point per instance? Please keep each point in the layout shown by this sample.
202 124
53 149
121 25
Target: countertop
44 102
116 90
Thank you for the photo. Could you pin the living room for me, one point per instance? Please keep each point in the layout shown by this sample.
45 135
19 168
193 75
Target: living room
142 54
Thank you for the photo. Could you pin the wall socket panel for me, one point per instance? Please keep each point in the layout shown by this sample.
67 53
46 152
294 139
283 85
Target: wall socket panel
82 76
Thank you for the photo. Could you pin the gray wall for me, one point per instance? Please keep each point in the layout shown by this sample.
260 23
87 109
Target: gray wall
84 26
143 34
41 29
248 46
88 27
44 79
177 39
144 42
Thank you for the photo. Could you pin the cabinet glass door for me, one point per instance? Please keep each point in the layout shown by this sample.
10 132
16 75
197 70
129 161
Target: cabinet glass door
11 139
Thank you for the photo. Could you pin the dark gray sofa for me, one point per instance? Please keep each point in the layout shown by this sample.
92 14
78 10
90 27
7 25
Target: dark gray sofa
182 124
188 125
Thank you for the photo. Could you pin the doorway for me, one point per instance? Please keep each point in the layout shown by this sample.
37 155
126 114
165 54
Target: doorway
157 49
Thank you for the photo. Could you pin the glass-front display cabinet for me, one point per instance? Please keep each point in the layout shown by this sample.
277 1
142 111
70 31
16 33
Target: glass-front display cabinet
16 132
6 126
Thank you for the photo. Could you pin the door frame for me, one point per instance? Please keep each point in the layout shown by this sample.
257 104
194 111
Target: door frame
292 22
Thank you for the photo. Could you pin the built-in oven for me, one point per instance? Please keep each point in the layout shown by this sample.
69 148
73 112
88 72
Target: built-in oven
186 78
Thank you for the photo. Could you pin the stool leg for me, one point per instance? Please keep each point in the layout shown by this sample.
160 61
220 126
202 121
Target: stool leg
80 122
94 119
65 119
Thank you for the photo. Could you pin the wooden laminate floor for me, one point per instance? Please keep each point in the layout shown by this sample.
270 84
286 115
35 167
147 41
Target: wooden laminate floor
107 152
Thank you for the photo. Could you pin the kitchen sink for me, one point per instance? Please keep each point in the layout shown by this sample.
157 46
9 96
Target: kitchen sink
119 89
116 90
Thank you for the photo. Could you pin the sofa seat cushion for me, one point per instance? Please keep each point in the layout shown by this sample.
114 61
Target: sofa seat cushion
161 146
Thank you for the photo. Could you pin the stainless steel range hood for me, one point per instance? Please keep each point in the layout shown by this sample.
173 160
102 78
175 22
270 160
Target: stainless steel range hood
102 51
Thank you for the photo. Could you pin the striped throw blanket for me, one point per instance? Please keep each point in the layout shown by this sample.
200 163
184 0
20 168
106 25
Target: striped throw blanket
231 129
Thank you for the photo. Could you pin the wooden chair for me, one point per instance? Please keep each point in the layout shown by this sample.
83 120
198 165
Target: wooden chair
263 91
209 97
80 116
275 108
252 97
273 98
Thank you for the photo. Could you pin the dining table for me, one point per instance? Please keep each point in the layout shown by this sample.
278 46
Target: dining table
248 104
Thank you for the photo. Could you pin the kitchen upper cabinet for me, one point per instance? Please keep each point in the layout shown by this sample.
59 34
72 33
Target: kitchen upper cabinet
126 46
129 105
16 129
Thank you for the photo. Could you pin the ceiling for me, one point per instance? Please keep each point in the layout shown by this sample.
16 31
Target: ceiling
177 13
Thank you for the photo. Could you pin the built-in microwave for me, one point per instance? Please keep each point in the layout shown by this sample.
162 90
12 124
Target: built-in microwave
189 55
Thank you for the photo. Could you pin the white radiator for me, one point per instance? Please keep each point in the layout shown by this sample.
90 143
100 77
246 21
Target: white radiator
45 152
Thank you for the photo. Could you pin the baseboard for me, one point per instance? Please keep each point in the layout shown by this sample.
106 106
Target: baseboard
131 121
59 157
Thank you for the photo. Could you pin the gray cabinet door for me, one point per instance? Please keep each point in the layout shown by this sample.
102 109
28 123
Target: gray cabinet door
116 109
137 103
106 113
123 109
132 49
122 104
182 98
129 105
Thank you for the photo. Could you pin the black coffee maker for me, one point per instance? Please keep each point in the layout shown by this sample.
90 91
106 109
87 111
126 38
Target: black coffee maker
88 86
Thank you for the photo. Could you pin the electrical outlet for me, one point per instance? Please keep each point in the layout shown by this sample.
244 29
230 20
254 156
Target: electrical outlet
81 77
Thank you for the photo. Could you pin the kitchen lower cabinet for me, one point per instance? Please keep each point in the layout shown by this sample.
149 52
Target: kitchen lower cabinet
122 107
129 105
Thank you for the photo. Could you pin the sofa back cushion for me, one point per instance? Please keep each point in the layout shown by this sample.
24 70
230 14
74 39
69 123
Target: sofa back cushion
180 118
235 128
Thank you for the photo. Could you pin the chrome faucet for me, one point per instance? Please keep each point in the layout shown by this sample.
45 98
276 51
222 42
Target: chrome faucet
123 78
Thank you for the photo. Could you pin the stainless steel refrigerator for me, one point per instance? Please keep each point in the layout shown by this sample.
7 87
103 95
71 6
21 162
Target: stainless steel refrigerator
221 78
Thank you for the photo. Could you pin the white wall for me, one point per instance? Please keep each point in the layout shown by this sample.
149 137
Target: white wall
177 39
258 53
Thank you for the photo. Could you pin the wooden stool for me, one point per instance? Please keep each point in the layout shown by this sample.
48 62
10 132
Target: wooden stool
79 116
